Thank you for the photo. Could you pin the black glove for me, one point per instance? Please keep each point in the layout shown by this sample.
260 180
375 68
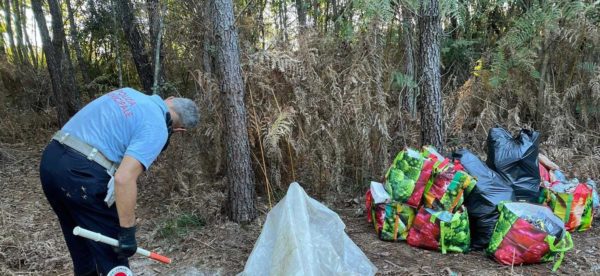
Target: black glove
127 242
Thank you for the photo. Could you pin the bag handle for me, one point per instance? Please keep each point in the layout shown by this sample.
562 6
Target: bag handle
564 245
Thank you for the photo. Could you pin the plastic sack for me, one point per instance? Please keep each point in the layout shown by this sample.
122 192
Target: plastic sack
558 176
303 237
595 197
516 159
440 230
482 201
547 163
572 206
392 221
446 190
407 176
544 174
378 193
528 233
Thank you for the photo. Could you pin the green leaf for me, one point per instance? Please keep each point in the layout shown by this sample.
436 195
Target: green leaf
401 80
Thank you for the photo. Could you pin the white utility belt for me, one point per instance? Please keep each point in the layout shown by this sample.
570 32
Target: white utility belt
92 154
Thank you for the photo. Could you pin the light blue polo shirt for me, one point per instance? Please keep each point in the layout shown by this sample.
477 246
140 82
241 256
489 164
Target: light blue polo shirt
123 122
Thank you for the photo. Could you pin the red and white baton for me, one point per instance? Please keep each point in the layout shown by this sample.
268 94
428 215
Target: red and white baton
78 231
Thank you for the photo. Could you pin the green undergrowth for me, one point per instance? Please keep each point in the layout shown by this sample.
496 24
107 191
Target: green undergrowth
180 226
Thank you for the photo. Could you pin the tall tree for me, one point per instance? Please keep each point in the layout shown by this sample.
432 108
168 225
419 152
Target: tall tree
67 75
301 11
239 171
9 30
429 74
53 64
156 16
410 96
83 68
136 44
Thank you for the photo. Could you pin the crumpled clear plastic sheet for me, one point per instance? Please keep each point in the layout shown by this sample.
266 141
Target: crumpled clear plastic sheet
301 236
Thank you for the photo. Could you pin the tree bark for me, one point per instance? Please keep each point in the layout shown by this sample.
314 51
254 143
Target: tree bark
301 11
159 75
9 30
136 44
155 18
430 79
242 193
54 64
83 68
410 95
66 67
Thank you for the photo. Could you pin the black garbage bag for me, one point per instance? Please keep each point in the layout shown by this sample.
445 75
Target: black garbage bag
516 160
481 202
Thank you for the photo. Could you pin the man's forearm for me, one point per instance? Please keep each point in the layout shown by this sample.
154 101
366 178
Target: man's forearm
126 190
126 197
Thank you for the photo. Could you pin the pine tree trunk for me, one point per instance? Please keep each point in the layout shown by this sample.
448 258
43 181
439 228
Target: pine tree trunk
83 68
54 64
61 52
156 45
410 94
301 11
239 171
136 44
432 132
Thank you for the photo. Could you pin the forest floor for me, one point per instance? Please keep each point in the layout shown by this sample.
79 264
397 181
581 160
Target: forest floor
31 242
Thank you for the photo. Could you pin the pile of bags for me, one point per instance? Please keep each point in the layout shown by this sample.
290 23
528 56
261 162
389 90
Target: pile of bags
517 206
422 202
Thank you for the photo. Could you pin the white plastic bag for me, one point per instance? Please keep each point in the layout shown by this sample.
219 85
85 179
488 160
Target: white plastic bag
303 237
379 194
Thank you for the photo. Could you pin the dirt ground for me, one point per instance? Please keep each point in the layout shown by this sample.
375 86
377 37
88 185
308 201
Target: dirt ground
31 242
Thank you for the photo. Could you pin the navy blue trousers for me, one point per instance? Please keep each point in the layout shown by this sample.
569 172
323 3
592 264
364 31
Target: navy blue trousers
75 188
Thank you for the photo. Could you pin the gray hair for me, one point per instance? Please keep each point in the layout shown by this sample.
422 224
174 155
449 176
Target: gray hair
187 111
